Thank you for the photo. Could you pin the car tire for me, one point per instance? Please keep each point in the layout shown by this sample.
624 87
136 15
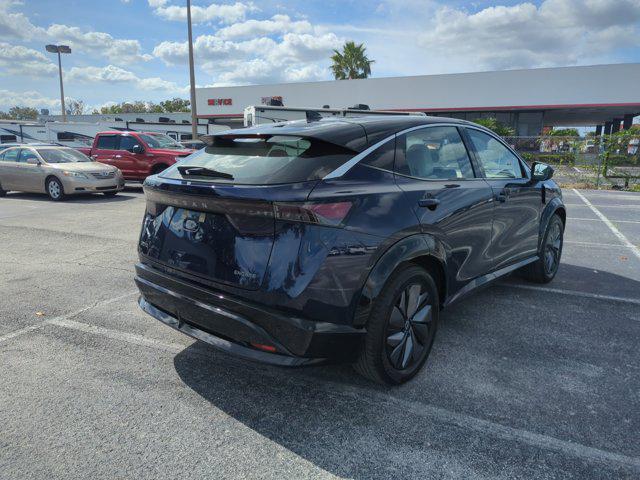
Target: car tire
55 190
109 194
401 327
545 268
3 193
158 168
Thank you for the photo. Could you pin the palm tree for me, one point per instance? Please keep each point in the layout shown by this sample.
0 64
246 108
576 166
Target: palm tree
352 62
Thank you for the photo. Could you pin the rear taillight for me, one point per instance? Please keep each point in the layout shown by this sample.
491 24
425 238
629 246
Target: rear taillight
320 213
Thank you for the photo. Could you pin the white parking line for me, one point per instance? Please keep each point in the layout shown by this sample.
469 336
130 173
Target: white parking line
597 220
613 205
595 244
460 420
635 250
61 318
573 293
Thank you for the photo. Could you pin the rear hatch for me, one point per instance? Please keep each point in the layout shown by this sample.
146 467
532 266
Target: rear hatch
214 214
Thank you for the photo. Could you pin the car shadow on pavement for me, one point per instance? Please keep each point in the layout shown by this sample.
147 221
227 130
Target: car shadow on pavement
83 198
352 428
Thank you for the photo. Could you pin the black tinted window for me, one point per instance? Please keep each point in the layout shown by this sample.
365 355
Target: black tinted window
108 142
265 160
433 153
127 142
383 156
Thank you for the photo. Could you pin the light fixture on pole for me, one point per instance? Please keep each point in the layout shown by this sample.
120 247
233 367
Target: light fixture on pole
60 49
192 78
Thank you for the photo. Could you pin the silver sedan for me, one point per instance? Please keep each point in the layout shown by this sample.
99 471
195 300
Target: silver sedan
56 171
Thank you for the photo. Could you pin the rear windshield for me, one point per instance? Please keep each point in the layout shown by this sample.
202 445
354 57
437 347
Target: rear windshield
62 155
261 161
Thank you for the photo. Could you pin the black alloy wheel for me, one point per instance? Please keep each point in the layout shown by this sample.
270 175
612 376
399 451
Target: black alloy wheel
401 327
552 248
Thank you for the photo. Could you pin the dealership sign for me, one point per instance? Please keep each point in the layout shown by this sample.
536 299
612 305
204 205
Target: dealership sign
217 102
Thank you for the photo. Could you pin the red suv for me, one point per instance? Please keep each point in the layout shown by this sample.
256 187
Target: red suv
136 154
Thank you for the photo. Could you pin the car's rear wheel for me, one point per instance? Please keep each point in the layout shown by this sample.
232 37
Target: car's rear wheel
55 190
545 268
2 191
109 194
401 327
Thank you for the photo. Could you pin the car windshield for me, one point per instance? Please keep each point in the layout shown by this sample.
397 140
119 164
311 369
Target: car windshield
264 160
157 140
62 155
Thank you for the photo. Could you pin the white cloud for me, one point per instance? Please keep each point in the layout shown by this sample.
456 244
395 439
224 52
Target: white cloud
224 13
558 32
112 74
19 60
31 98
253 28
16 24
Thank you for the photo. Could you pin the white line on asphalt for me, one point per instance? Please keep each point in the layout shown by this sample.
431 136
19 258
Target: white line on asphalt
614 205
635 250
465 422
595 244
62 318
598 220
573 293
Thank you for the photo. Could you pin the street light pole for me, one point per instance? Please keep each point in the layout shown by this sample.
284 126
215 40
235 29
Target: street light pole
64 110
192 77
59 49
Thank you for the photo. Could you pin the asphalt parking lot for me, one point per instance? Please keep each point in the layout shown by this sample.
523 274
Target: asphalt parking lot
523 382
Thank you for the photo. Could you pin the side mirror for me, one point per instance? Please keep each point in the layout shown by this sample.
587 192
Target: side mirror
137 149
541 172
33 161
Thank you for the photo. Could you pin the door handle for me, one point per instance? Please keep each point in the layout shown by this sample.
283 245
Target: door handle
501 197
430 202
118 156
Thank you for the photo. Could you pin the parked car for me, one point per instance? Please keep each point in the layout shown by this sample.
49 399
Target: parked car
56 171
341 239
136 154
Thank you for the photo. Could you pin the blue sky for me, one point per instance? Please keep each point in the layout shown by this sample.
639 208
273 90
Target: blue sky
136 49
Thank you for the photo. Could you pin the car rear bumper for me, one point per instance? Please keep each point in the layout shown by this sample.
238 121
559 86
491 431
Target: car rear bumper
236 326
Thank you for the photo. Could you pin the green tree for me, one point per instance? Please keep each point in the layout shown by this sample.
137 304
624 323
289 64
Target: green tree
176 105
564 132
75 107
495 126
23 113
351 63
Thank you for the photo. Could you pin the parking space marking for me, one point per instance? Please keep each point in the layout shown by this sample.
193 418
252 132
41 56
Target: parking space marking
598 220
574 293
595 244
376 398
62 318
615 205
635 250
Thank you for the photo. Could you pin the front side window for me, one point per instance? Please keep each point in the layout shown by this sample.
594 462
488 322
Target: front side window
107 142
127 142
433 153
62 155
496 159
265 160
27 154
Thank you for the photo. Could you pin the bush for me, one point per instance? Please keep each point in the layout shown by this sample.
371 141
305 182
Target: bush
550 158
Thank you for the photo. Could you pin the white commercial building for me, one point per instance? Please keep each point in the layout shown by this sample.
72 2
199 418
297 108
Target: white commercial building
601 95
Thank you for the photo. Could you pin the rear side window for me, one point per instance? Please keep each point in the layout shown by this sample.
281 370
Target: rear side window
433 153
26 154
11 155
107 142
382 157
264 160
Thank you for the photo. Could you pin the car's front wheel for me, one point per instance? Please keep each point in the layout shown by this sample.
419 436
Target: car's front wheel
3 192
545 268
401 327
55 190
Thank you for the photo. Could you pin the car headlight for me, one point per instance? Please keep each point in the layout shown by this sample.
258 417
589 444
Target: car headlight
118 172
67 173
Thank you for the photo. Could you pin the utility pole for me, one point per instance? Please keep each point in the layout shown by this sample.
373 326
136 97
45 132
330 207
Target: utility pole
60 49
192 78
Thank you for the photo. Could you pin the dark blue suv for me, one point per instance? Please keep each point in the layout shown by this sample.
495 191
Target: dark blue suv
341 240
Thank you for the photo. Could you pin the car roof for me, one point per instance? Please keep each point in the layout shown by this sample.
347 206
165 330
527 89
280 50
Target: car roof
355 133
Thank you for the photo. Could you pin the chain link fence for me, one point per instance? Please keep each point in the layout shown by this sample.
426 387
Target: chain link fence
607 161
